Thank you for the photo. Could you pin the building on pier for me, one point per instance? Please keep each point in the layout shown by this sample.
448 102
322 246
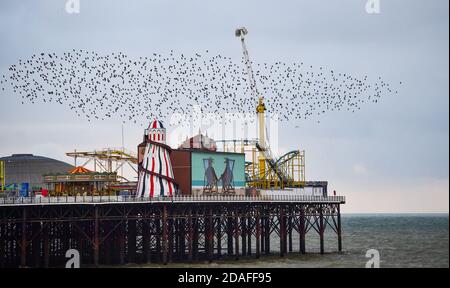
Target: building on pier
199 142
29 168
80 181
204 172
155 176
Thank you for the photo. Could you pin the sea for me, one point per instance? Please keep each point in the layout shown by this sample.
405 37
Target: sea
397 240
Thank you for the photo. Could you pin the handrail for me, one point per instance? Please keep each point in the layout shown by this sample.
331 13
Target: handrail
174 199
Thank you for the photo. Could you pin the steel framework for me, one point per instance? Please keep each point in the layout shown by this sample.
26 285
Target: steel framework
107 160
287 171
283 172
119 233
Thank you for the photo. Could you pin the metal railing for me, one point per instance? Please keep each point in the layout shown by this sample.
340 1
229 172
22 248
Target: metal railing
174 199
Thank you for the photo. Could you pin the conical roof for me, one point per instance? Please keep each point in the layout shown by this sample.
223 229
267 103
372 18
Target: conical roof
79 170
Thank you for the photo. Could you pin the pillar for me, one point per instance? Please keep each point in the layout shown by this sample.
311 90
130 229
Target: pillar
302 230
190 235
249 236
282 220
219 235
258 234
321 229
244 235
230 234
267 233
146 240
290 230
23 242
164 235
210 235
121 240
96 243
339 228
131 237
46 243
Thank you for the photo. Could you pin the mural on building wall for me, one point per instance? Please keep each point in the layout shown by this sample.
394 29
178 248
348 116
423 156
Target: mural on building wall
210 185
227 177
218 173
211 182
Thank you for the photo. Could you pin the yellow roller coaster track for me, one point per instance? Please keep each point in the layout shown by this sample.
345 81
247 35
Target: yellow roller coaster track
283 172
287 171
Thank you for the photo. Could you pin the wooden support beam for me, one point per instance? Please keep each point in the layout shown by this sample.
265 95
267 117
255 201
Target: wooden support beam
339 227
23 242
176 227
258 235
121 240
209 239
219 236
106 244
249 235
190 236
236 234
164 234
282 223
146 240
321 230
267 229
244 234
46 243
131 240
65 237
158 237
182 238
290 228
262 238
96 244
230 234
170 245
2 246
302 230
196 236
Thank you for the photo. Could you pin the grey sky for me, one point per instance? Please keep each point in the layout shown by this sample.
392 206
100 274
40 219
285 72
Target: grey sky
389 157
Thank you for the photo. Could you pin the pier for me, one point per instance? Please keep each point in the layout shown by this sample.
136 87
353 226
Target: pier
115 230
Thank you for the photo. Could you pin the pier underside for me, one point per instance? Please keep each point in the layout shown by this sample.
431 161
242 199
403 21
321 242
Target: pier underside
119 233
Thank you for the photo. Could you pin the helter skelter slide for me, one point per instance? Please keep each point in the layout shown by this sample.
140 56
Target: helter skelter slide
155 172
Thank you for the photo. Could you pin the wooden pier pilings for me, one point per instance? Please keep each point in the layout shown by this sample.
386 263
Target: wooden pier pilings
38 235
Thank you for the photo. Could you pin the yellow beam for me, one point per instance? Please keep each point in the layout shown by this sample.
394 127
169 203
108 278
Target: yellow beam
260 109
2 175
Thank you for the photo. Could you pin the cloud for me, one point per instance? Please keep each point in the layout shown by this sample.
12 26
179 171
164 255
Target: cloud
421 195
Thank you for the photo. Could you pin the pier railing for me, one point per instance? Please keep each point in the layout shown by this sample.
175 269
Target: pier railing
174 199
